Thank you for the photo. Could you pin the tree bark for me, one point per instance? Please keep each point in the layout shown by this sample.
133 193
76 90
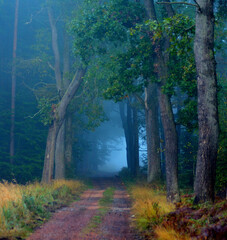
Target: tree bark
130 126
68 141
126 132
152 132
60 153
48 167
66 61
135 142
13 93
207 102
54 34
57 123
171 146
130 149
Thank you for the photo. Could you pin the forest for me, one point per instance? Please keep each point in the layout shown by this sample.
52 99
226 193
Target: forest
82 81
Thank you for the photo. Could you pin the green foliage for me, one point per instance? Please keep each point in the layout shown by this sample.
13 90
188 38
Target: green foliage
30 138
126 175
188 115
20 217
221 174
47 111
136 65
187 159
108 22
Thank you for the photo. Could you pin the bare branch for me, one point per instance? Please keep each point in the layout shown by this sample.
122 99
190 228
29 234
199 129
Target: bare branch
51 66
34 114
140 100
31 89
31 18
187 29
197 5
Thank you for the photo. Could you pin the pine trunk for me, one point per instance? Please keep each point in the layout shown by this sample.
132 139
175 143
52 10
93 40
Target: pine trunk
13 94
207 102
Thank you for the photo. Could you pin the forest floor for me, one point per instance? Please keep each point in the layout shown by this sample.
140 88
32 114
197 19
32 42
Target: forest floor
97 215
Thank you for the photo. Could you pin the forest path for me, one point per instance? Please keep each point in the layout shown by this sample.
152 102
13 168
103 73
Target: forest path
76 222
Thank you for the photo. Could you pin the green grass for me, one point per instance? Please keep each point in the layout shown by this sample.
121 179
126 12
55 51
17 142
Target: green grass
104 203
23 208
107 198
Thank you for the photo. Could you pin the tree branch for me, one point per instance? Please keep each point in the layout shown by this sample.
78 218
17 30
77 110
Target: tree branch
190 4
34 114
140 100
51 66
196 3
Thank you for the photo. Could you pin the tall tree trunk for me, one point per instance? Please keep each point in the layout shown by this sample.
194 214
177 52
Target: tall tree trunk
13 94
68 141
60 153
170 133
130 126
171 143
130 136
60 160
171 146
48 167
152 131
54 35
126 131
69 117
66 61
135 142
207 102
57 123
61 87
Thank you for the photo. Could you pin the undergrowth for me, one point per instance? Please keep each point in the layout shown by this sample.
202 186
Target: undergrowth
156 218
23 208
149 207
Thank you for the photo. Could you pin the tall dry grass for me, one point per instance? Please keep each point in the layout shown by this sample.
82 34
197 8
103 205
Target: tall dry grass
163 233
23 208
9 192
149 206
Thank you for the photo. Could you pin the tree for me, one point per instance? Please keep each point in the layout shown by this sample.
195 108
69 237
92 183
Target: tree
55 147
207 102
152 130
171 142
13 95
59 114
129 120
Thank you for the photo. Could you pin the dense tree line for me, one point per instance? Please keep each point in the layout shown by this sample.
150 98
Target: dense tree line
156 59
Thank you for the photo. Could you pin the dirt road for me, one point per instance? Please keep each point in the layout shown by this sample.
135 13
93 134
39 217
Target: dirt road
75 222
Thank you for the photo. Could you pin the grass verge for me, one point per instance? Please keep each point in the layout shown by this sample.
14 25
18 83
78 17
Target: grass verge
23 208
156 218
